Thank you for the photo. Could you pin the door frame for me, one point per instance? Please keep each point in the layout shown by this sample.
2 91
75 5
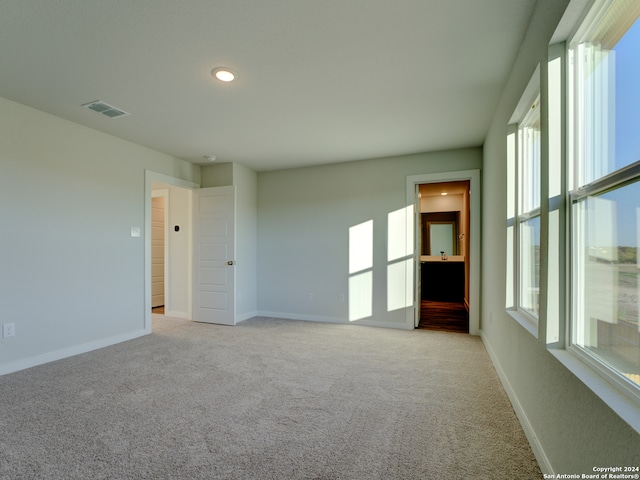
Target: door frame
149 177
475 204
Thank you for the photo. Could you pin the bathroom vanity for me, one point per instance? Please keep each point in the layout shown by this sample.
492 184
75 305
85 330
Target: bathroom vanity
442 280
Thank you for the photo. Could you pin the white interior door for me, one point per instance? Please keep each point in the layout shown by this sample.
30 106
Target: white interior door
214 255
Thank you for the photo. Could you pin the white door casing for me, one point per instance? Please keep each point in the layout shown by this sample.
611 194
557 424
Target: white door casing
214 255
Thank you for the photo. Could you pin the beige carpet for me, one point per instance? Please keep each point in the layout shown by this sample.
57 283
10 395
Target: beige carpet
267 399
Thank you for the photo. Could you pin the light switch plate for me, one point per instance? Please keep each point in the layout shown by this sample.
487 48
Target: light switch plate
135 231
8 330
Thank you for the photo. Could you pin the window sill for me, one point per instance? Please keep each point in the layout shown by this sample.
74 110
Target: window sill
525 321
627 408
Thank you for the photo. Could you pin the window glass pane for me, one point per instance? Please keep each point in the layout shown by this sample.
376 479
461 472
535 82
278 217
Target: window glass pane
553 278
511 175
627 58
606 271
510 265
529 274
606 102
554 116
529 160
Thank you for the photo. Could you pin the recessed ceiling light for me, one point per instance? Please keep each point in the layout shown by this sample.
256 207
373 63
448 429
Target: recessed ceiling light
224 74
210 158
444 193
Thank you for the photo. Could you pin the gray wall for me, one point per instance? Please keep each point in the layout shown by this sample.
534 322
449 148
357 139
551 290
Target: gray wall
572 429
246 182
72 276
304 216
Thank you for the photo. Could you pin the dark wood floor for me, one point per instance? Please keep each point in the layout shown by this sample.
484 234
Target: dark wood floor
159 310
447 316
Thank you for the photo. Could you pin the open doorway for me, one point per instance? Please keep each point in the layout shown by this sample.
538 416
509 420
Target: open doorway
444 209
175 291
445 228
159 249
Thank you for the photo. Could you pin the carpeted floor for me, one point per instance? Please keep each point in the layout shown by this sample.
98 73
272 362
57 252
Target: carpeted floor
267 399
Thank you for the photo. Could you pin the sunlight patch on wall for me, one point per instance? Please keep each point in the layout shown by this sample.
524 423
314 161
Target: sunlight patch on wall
361 247
400 233
400 285
360 296
360 271
400 246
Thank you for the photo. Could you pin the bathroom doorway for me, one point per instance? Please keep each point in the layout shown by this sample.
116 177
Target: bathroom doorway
447 229
444 230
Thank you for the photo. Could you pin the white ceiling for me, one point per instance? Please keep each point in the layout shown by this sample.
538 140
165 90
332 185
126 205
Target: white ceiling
320 81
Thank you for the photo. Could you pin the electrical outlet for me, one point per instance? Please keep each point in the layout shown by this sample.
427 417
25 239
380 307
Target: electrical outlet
8 330
310 296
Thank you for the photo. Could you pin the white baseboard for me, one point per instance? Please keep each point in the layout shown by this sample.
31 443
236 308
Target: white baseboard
300 316
187 316
176 314
536 446
68 352
245 316
339 320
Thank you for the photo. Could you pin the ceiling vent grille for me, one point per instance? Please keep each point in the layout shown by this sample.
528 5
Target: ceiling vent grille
105 109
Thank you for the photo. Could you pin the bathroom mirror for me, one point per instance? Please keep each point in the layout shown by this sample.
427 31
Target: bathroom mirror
440 236
440 233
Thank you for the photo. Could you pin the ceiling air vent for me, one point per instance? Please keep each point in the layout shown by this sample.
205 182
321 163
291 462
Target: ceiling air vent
105 109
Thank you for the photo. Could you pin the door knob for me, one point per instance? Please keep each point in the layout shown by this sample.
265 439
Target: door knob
231 262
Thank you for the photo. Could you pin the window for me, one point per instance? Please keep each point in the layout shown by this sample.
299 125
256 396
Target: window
604 191
523 212
528 210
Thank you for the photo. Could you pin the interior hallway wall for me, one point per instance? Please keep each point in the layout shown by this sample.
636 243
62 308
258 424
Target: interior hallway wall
304 216
72 274
572 429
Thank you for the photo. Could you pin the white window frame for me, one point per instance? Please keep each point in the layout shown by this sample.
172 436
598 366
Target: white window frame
579 181
517 215
614 180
